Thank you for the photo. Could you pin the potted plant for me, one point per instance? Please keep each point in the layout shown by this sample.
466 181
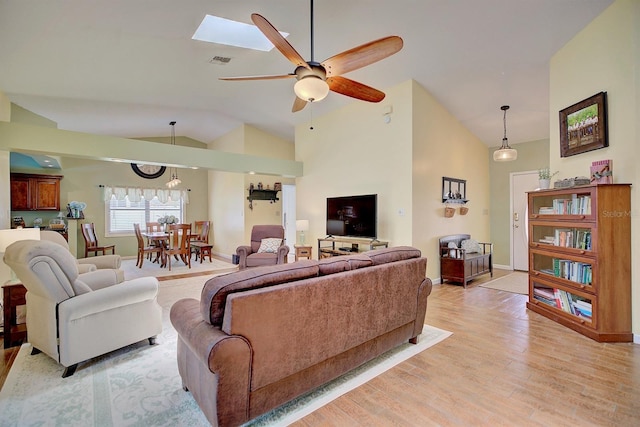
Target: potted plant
544 177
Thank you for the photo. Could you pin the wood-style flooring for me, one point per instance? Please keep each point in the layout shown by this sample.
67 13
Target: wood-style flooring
503 366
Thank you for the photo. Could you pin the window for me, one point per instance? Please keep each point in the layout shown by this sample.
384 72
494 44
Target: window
122 212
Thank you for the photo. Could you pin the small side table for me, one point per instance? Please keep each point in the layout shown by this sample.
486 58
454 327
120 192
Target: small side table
303 251
14 296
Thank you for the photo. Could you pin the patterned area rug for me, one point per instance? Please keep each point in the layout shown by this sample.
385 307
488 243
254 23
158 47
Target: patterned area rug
516 282
139 385
178 268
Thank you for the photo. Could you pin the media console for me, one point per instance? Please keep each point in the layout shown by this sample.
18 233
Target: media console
347 245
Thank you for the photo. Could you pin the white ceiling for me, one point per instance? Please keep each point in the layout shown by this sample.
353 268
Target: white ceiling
129 67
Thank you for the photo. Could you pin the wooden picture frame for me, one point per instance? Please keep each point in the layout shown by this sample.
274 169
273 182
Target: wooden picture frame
583 126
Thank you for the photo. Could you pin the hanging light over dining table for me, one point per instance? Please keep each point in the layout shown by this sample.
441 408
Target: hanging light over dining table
173 172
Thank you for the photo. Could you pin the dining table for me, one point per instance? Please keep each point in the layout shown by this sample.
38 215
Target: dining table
157 238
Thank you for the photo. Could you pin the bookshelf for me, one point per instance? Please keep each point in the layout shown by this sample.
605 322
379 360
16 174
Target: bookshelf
580 259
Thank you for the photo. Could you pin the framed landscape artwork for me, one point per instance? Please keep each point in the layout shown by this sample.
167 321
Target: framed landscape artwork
583 126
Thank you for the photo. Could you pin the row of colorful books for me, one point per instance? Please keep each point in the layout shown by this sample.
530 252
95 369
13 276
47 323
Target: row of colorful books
576 205
564 301
580 272
579 238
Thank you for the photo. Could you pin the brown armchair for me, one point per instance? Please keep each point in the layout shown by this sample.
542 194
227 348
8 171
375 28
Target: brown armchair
272 251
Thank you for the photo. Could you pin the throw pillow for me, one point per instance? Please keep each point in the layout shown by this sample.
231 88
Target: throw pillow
269 245
471 246
452 253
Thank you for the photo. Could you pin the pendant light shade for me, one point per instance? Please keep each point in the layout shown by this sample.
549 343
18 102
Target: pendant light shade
311 88
175 181
505 153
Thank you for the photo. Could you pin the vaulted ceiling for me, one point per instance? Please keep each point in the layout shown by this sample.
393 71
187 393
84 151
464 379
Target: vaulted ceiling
129 67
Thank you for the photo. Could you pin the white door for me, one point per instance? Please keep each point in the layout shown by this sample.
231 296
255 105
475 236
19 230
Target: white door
521 182
289 217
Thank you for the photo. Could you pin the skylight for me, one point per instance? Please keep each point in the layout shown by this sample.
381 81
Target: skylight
214 29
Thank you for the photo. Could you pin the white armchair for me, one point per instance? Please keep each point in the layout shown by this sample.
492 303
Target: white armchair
74 317
85 264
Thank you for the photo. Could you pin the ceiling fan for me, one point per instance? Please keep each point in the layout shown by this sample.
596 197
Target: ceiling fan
316 79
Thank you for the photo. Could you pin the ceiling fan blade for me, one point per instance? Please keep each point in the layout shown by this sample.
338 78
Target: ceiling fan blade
278 41
362 56
272 77
354 89
298 104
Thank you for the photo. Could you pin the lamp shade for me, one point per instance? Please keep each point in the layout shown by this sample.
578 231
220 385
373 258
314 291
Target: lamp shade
302 225
311 88
505 155
7 237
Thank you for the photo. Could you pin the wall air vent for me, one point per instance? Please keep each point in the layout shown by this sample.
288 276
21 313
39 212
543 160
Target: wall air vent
220 60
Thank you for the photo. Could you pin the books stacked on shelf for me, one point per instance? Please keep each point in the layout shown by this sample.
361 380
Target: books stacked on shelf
578 238
550 240
546 210
576 205
579 272
563 300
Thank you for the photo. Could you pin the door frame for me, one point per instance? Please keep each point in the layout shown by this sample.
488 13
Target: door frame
512 177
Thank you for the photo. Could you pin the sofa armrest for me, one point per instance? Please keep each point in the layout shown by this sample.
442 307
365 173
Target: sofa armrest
86 268
243 252
104 261
283 251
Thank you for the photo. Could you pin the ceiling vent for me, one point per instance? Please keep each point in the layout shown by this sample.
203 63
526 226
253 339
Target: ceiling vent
220 60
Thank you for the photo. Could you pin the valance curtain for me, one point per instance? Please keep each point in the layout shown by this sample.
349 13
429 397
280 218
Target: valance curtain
136 193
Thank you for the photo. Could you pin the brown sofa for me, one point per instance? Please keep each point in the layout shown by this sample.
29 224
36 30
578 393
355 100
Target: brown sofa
263 336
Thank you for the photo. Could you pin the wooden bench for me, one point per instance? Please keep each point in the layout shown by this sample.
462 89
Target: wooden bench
201 249
458 265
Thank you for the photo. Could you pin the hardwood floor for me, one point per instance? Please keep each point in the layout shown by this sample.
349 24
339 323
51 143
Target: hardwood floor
503 366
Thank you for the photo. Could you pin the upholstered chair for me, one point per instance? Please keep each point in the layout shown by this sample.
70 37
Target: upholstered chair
267 247
74 317
86 264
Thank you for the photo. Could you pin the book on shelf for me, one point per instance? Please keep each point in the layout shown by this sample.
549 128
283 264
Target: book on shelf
546 210
602 172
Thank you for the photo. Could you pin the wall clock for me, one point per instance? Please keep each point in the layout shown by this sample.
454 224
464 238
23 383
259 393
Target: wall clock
148 171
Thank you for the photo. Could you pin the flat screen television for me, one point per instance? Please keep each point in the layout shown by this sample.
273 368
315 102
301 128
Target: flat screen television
353 216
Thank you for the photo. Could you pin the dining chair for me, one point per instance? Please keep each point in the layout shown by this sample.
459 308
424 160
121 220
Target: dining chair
153 226
178 245
145 250
200 232
91 241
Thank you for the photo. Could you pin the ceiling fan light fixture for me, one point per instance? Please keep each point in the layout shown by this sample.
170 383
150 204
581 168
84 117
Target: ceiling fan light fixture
505 153
311 88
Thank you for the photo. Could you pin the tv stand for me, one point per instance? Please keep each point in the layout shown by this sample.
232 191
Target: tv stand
347 245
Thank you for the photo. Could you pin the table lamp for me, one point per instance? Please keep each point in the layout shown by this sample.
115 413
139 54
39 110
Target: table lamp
7 237
302 225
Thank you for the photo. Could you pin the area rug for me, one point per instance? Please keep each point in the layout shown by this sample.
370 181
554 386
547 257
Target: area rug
516 282
139 385
178 268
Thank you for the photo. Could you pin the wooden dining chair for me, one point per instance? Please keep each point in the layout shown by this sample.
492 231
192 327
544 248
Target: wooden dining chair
145 250
179 245
200 232
91 241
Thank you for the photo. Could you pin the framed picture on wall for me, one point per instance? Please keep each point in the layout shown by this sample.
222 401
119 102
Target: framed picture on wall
583 126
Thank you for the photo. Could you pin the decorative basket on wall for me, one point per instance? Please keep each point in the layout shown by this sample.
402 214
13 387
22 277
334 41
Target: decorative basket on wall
449 212
464 210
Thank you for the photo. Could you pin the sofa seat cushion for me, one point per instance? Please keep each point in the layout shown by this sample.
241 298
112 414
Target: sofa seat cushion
215 290
262 258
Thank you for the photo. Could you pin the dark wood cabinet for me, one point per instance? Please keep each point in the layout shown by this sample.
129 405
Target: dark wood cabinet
32 192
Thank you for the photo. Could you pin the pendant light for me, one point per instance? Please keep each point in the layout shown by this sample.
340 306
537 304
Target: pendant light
174 176
505 153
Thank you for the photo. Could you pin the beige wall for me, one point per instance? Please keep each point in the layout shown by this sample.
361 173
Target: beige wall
353 151
5 200
444 147
612 43
531 157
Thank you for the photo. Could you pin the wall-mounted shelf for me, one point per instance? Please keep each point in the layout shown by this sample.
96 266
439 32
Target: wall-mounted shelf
454 190
256 194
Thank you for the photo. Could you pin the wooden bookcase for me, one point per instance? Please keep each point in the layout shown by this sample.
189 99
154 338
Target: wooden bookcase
580 259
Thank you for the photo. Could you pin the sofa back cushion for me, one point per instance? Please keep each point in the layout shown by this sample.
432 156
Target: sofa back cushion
393 254
215 291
